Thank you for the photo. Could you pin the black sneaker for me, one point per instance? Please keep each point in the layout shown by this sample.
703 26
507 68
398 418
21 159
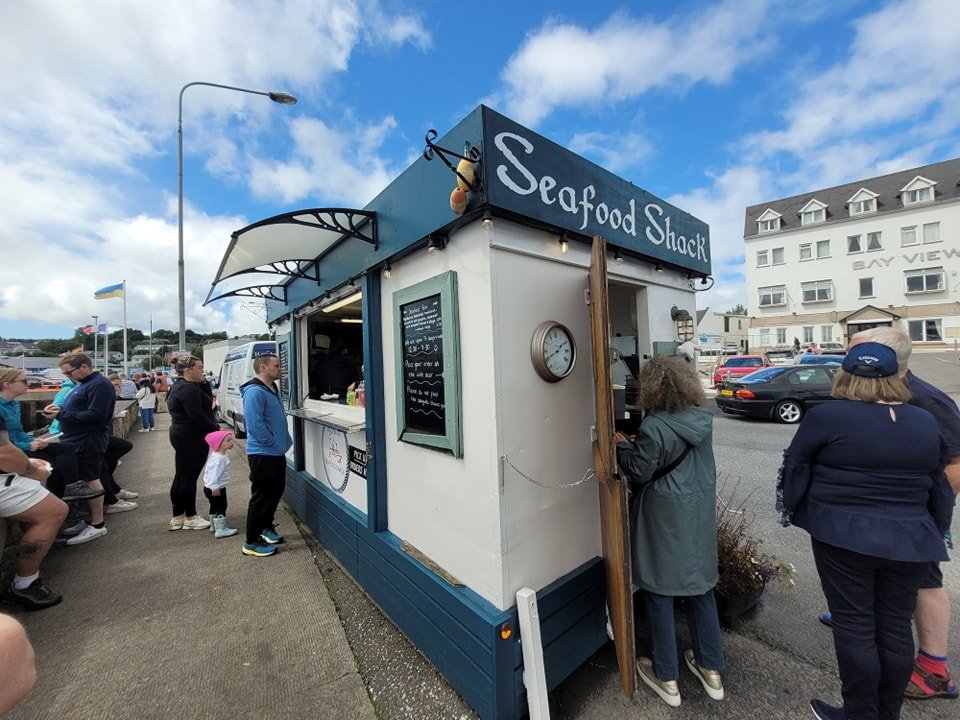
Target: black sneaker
825 711
35 596
80 491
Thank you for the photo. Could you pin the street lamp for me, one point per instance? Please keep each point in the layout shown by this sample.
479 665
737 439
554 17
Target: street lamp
277 97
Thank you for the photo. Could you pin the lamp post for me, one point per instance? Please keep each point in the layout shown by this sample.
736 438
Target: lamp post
277 97
95 333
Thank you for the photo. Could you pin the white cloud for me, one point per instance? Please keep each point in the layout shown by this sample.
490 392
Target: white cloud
614 151
562 64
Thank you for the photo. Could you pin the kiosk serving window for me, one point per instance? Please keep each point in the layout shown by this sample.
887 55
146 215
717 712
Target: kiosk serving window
427 344
334 347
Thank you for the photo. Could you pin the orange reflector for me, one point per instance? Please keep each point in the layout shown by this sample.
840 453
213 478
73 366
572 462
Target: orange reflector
506 631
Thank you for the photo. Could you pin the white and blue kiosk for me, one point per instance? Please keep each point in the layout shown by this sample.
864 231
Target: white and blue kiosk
471 471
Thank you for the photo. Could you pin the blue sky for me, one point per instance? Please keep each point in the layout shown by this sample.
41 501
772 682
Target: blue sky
712 106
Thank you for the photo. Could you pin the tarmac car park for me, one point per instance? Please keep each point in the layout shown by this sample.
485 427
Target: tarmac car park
783 393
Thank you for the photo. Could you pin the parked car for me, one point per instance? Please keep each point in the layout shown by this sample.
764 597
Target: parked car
41 382
832 348
780 356
731 349
782 393
811 359
738 365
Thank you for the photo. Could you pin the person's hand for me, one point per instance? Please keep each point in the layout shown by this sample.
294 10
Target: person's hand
619 437
215 493
51 410
39 470
38 444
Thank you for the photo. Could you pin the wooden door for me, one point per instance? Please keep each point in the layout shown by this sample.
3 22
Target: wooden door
614 518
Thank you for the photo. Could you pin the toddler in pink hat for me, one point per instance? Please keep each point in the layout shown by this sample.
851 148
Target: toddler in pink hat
216 475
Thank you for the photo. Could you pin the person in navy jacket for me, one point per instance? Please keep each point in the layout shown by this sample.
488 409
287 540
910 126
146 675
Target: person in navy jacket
864 476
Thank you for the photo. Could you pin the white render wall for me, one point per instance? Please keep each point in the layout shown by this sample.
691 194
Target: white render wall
886 266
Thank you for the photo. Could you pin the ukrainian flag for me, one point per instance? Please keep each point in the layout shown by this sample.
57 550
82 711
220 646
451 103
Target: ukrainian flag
111 291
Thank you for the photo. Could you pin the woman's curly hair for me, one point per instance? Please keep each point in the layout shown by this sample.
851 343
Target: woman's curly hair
668 384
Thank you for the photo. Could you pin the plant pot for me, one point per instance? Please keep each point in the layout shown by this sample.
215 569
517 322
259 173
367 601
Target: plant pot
730 608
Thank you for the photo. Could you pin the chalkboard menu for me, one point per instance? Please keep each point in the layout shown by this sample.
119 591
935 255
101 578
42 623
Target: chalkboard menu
283 353
426 335
423 397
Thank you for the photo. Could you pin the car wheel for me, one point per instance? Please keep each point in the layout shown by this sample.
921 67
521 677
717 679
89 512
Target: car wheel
788 411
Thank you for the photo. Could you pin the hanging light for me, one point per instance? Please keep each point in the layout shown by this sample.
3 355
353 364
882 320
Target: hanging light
386 271
618 256
659 269
564 245
487 220
436 242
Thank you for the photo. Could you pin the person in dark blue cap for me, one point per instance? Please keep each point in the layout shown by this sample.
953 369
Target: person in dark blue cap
864 477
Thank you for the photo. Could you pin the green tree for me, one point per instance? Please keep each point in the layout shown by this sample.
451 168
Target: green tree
738 309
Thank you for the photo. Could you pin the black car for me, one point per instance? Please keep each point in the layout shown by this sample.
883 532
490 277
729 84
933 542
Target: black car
782 393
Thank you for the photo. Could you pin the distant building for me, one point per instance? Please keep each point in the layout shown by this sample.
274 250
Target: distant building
719 330
884 251
15 347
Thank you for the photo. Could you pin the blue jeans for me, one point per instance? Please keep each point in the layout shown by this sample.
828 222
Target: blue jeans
704 626
146 416
872 601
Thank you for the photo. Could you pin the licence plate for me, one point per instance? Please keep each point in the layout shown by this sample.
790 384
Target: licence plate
727 393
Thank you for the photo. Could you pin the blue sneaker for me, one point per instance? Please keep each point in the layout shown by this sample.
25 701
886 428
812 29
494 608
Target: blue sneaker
269 535
827 619
258 549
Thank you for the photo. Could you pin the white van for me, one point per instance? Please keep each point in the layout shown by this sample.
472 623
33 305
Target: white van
238 369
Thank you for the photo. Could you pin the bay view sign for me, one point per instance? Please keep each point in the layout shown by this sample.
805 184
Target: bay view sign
530 175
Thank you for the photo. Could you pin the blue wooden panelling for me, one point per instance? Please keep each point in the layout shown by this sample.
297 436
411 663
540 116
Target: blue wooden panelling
456 629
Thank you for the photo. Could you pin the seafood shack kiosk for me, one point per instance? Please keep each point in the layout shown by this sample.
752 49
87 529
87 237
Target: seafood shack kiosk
471 462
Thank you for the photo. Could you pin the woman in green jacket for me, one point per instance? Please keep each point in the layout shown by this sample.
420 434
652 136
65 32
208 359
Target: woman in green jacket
674 540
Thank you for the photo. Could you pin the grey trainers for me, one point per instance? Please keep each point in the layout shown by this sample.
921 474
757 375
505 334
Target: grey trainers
666 689
710 679
80 491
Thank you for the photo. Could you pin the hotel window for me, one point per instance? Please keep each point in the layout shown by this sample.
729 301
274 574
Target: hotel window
781 336
821 291
919 195
924 281
764 337
763 258
809 217
853 244
866 287
808 333
773 295
925 330
777 256
771 225
826 333
873 241
908 236
860 207
823 249
806 251
931 233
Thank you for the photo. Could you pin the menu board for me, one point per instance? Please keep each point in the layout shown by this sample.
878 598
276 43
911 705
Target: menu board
283 353
424 405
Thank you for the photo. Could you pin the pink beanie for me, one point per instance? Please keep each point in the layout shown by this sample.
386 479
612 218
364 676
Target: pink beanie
216 438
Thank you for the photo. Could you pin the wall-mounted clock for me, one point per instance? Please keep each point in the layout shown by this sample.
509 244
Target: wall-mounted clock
553 351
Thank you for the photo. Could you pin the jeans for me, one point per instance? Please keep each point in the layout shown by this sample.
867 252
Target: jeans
146 418
704 626
268 478
872 601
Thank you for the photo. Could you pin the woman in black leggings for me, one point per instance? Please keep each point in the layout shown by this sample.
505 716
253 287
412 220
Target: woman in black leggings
190 404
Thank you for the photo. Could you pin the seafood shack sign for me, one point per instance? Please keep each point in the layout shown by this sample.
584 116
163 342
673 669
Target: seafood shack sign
530 175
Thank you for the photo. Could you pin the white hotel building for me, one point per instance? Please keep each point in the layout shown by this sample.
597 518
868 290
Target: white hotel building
883 251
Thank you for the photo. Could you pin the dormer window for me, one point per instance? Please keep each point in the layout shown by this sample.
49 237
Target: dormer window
917 191
862 203
768 222
813 212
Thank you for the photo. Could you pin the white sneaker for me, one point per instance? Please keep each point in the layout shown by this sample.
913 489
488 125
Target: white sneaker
87 534
144 430
195 523
128 495
74 529
120 506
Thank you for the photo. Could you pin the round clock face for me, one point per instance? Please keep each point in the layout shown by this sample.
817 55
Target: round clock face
553 351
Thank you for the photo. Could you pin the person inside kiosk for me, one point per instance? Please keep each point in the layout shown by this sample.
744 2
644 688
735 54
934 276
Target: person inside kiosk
336 356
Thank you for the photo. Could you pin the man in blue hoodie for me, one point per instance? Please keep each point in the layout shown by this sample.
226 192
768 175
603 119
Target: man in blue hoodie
267 443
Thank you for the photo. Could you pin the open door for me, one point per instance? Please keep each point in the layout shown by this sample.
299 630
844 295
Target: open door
614 517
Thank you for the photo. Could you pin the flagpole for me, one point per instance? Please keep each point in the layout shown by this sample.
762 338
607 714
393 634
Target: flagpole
126 363
106 350
96 318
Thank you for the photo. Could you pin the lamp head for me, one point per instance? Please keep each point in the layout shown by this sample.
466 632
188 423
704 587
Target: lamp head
282 98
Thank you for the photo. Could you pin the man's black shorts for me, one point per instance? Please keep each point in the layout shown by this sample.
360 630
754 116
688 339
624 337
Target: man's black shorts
90 450
933 578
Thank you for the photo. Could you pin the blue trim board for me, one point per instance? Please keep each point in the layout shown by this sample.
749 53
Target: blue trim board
373 374
456 629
